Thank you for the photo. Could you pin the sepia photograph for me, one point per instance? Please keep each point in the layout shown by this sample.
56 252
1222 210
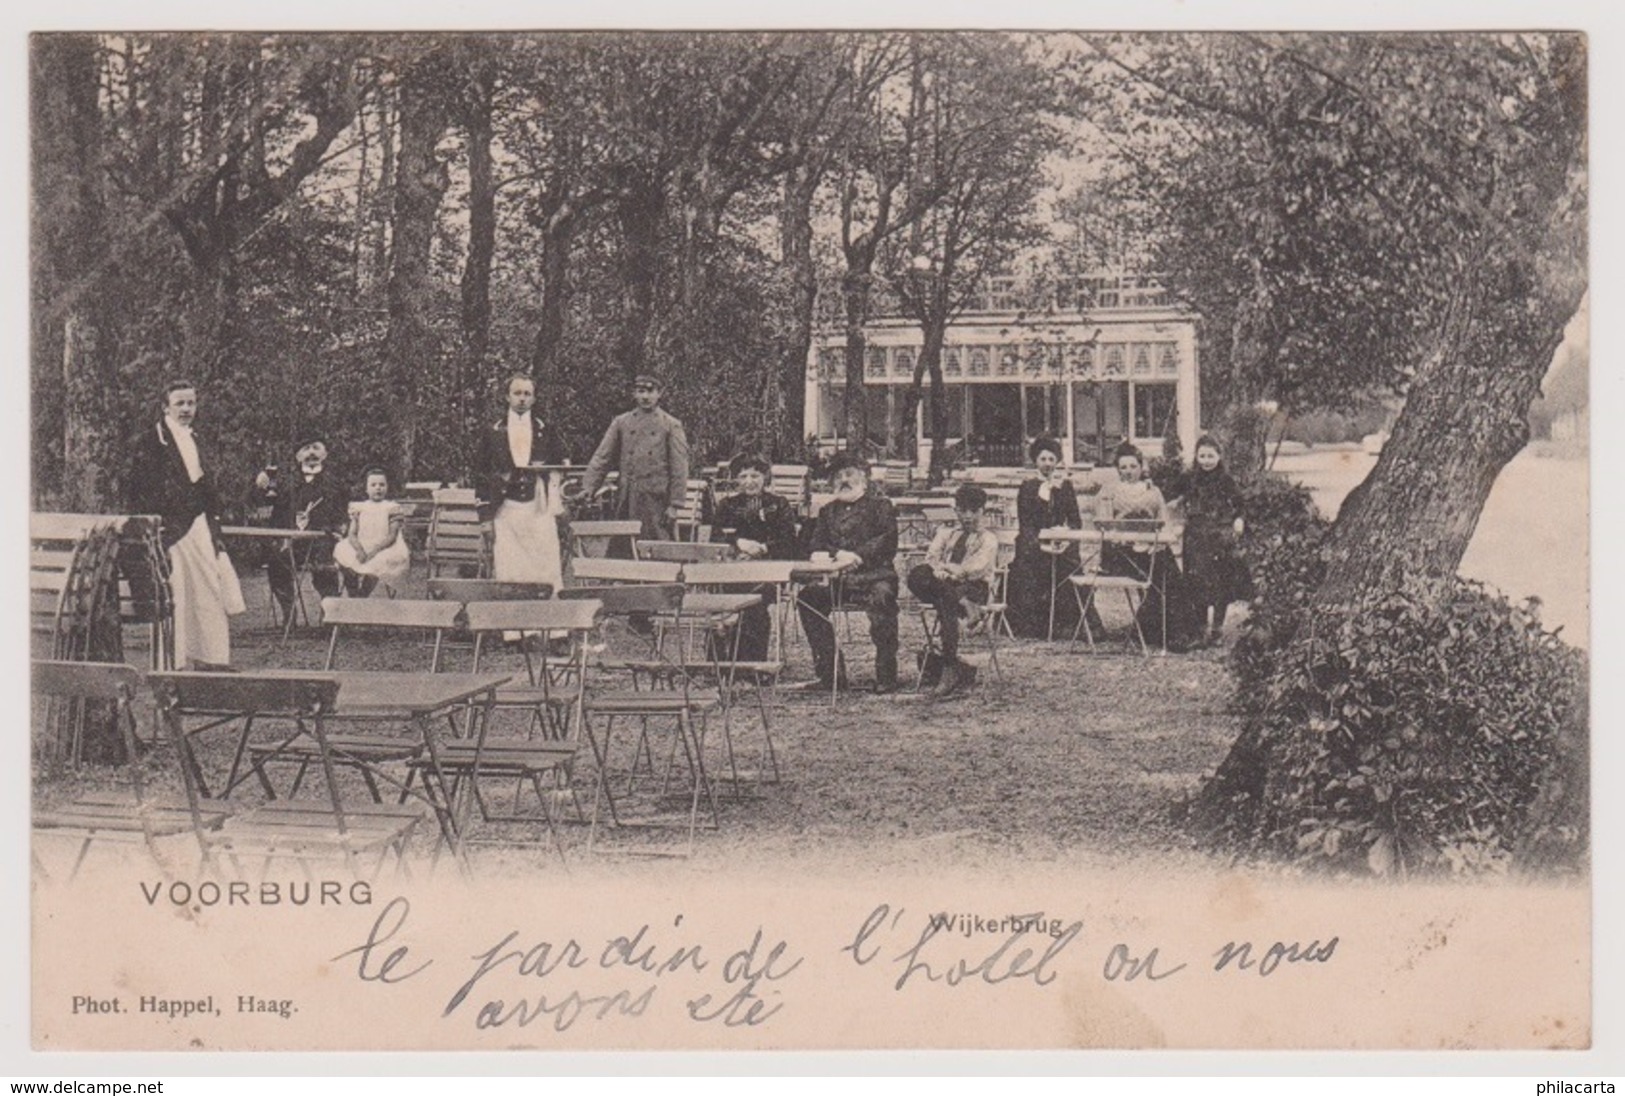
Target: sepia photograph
809 540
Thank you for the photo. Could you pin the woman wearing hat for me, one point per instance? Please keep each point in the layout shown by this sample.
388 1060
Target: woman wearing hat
760 525
1047 500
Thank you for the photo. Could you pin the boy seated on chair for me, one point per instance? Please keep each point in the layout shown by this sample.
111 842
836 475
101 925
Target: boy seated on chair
955 578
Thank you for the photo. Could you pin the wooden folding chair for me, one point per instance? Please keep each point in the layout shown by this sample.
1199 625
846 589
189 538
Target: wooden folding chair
1139 544
994 612
430 619
791 482
693 513
597 539
285 829
896 476
457 538
123 817
554 690
661 689
550 695
345 616
731 671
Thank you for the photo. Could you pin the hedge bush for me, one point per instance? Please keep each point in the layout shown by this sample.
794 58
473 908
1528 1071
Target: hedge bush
1399 737
1410 736
1282 551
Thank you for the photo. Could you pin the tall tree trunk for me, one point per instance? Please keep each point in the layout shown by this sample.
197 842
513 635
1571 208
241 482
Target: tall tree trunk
421 181
1254 348
482 228
75 381
1407 526
558 237
205 316
936 333
641 210
855 295
786 420
388 127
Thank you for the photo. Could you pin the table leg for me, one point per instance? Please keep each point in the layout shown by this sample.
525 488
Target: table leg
441 800
1054 571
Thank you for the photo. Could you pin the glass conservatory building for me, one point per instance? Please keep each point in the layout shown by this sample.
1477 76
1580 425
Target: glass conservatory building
1119 364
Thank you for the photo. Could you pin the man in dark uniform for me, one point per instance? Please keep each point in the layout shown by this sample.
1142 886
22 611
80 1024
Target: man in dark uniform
858 527
649 448
308 499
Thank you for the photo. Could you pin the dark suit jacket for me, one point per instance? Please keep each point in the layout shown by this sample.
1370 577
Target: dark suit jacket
769 519
158 484
320 499
496 479
867 526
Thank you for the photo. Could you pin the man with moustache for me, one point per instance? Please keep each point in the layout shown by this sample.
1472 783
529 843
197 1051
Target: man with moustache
309 499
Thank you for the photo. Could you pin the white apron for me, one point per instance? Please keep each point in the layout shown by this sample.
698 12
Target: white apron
205 592
527 538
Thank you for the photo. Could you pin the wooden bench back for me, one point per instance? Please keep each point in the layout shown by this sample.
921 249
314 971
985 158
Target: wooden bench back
574 615
291 696
465 590
626 600
684 551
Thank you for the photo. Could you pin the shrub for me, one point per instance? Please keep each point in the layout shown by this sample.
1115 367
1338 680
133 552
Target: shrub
1405 736
1282 552
1399 736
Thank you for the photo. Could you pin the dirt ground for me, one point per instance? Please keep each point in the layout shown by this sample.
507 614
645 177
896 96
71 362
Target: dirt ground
1068 758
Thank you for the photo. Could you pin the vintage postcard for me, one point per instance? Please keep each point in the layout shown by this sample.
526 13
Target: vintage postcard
810 540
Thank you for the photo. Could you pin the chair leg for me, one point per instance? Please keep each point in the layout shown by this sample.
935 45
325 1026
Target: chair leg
1084 603
767 732
1134 613
927 626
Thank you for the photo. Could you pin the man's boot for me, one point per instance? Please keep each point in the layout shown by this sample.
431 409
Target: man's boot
949 683
885 671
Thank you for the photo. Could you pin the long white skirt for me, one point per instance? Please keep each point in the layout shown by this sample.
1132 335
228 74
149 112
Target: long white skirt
527 541
202 632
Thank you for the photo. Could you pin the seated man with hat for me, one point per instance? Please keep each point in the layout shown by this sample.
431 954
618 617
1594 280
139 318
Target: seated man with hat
858 527
309 499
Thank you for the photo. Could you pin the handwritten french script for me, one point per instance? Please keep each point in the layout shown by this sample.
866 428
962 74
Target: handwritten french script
523 979
961 949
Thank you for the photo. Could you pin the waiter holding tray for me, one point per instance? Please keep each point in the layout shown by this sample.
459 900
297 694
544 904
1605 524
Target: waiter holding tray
522 506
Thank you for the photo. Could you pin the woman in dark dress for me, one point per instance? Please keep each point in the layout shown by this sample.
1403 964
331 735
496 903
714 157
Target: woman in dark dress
1046 500
760 525
1214 570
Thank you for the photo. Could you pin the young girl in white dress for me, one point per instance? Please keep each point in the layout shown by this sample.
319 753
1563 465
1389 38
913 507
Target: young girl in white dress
373 549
